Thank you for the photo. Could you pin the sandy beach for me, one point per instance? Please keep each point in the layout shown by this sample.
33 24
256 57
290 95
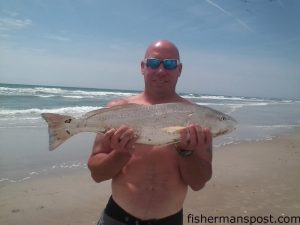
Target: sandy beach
249 179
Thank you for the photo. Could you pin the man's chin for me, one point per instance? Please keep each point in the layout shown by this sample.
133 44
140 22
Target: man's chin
161 83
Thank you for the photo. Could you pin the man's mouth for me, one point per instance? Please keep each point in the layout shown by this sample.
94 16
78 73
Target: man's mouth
160 81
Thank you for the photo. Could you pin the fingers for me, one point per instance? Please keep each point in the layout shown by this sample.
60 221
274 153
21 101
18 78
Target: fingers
207 136
130 144
123 139
120 135
109 134
106 140
201 135
194 136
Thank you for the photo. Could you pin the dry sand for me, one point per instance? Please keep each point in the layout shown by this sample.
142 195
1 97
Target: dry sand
255 178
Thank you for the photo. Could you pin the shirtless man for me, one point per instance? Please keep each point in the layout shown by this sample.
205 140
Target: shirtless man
150 183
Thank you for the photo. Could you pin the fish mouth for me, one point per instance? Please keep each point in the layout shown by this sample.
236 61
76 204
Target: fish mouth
229 130
222 132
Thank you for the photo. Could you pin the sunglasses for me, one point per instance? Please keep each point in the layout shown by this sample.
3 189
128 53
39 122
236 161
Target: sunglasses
169 64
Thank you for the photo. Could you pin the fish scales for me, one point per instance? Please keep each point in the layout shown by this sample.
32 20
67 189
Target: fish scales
139 115
154 124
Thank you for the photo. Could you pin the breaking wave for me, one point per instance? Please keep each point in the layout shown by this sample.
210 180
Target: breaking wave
35 111
48 92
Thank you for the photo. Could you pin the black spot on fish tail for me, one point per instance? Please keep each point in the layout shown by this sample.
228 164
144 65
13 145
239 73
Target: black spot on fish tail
68 132
149 139
68 120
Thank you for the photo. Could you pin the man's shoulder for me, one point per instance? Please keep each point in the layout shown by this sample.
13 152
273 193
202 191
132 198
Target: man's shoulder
116 102
140 99
135 99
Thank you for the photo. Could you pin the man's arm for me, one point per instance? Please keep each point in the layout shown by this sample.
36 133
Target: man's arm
196 169
111 151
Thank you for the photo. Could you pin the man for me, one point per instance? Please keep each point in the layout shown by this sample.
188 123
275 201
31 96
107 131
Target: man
150 183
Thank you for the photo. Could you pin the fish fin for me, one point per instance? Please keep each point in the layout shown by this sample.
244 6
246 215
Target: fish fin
102 110
174 129
57 129
94 112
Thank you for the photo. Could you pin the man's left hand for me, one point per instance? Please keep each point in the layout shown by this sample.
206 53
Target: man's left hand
197 139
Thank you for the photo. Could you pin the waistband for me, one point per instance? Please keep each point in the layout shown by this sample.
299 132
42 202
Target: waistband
113 210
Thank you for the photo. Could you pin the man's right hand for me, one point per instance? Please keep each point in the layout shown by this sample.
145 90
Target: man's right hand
111 152
121 140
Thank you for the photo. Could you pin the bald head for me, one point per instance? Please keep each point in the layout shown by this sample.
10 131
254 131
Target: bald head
164 49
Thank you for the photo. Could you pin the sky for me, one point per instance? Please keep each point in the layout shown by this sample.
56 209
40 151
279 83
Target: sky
232 47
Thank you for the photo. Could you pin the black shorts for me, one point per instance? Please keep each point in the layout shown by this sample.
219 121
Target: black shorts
114 212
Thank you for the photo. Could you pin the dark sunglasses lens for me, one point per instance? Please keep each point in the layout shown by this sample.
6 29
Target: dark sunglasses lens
170 64
153 63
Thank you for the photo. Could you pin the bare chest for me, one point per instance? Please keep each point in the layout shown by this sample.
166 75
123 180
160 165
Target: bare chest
152 167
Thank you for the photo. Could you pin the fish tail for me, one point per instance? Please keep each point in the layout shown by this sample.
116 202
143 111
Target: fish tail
58 128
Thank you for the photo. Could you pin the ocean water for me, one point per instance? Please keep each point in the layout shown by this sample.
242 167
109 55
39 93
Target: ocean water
24 140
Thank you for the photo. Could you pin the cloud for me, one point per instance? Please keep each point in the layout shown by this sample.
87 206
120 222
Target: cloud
56 37
8 23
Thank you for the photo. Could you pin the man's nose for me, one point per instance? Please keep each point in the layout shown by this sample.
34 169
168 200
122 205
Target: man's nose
161 68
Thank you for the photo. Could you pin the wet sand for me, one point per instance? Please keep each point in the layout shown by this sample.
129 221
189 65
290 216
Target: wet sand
252 178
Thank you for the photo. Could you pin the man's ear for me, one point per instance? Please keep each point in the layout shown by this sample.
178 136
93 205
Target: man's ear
142 67
180 69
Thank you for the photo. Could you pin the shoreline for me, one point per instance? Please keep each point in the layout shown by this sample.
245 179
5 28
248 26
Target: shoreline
36 160
249 178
